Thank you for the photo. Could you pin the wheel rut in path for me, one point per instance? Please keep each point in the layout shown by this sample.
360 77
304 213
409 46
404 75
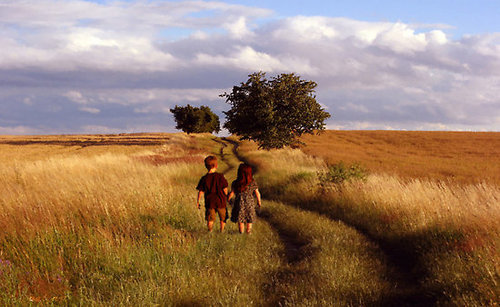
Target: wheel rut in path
295 247
223 155
297 253
400 261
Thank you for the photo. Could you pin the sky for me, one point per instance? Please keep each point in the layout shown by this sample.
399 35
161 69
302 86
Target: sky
75 66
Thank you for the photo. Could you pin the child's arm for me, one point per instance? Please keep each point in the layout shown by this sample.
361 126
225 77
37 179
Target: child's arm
230 195
259 200
200 195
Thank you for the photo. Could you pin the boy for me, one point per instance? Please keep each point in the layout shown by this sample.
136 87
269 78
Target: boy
214 186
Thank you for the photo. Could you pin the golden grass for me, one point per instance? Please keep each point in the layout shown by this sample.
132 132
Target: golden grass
465 157
421 203
416 202
451 228
86 220
94 224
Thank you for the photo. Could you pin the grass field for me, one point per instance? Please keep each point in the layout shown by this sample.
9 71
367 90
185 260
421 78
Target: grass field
108 224
466 157
111 220
440 237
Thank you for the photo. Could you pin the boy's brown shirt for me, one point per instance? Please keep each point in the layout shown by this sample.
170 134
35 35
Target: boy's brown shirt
213 185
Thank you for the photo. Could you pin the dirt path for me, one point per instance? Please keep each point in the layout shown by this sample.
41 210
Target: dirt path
295 247
400 261
297 253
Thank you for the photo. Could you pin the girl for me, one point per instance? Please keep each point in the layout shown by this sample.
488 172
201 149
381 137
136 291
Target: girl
244 188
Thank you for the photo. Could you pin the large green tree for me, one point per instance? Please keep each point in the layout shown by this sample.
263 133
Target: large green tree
196 120
274 112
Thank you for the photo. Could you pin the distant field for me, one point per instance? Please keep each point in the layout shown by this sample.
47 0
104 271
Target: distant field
466 157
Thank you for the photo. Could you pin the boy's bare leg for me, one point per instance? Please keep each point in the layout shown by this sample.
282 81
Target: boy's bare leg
222 225
249 227
210 225
241 227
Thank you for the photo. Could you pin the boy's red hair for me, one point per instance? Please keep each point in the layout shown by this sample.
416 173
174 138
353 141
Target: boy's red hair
210 162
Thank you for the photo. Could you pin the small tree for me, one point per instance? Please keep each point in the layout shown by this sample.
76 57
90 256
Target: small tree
196 120
275 112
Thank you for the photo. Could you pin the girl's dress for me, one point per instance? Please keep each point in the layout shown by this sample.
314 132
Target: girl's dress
244 205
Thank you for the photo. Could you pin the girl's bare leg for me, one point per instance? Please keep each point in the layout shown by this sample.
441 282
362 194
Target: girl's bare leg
210 225
222 225
241 227
249 227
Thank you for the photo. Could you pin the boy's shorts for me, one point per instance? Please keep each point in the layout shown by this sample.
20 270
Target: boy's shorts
211 213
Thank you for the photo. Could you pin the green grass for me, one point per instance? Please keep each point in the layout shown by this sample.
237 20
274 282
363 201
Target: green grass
340 267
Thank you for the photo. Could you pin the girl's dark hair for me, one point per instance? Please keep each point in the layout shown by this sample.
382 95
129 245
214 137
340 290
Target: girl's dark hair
244 177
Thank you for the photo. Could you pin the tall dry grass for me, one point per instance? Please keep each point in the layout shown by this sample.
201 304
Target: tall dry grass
417 204
117 225
443 235
53 190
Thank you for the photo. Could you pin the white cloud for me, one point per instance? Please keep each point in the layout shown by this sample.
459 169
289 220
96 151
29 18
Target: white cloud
401 39
238 29
76 96
90 110
87 39
245 58
248 59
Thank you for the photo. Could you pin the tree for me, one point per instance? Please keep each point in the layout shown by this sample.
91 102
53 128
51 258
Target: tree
196 120
275 112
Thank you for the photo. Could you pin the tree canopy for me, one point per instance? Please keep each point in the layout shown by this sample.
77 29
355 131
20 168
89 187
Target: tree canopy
274 112
196 120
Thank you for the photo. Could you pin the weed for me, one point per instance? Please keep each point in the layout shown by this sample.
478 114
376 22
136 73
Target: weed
340 173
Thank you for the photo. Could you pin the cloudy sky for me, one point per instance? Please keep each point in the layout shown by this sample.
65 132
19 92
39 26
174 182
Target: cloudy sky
75 66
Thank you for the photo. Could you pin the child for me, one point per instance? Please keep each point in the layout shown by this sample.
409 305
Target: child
214 186
244 187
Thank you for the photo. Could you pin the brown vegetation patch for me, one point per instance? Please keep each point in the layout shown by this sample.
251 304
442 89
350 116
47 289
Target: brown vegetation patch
85 143
88 140
157 160
190 152
469 244
44 290
389 218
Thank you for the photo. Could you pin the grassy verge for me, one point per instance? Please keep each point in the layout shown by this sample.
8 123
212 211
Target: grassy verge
441 238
